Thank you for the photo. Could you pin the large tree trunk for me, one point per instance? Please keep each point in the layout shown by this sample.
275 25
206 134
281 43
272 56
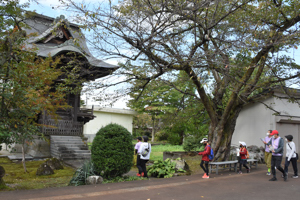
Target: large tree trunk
220 135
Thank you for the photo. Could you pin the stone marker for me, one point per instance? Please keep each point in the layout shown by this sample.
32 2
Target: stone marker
54 163
44 169
180 164
2 172
93 180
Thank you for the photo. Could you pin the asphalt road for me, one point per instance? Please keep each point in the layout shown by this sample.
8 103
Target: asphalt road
225 186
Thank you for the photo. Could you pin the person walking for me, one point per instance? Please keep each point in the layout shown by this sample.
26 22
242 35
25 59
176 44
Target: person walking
290 155
205 159
138 160
243 155
276 147
144 151
268 154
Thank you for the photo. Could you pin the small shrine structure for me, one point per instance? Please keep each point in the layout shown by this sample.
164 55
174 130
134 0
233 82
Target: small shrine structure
58 37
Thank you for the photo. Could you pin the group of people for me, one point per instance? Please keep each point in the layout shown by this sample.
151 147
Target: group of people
142 150
207 151
274 146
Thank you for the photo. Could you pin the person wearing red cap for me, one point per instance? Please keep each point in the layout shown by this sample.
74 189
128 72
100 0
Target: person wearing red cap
276 147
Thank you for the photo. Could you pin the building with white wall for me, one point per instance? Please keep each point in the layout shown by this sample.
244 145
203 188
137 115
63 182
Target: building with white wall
105 116
256 119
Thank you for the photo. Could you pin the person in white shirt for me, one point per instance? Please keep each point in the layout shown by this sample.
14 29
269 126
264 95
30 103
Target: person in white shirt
138 160
144 151
290 155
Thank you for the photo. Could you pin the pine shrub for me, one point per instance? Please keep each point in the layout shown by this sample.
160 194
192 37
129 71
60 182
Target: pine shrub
112 151
80 176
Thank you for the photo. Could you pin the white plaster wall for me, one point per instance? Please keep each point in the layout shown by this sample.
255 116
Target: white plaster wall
286 108
289 129
103 119
253 123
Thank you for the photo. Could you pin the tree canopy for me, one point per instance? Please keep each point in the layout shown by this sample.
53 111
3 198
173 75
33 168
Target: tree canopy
234 52
27 81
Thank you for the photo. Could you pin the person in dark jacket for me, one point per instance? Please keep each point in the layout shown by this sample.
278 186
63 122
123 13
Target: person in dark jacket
243 155
276 145
205 159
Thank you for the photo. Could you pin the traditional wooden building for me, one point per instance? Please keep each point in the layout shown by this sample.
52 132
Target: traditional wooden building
58 37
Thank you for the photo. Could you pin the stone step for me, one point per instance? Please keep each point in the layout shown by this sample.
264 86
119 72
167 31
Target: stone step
75 158
66 139
71 151
55 137
68 142
69 146
75 151
63 156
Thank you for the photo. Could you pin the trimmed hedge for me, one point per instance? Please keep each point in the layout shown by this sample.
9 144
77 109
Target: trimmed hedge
112 151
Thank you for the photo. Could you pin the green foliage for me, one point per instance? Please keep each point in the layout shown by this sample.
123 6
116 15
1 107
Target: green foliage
119 179
191 144
141 122
112 151
162 169
174 139
81 174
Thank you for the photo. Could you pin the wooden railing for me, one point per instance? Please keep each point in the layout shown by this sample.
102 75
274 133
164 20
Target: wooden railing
86 112
62 127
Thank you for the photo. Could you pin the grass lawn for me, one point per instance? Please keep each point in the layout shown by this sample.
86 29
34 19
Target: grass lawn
17 179
157 150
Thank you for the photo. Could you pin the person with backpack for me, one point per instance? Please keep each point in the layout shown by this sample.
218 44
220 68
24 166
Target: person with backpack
244 156
205 157
291 155
144 152
276 147
138 159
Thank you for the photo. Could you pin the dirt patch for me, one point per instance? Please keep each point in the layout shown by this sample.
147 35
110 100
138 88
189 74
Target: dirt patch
193 162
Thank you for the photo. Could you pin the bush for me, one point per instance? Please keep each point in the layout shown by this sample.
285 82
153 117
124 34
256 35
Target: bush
191 143
112 151
174 139
165 169
161 135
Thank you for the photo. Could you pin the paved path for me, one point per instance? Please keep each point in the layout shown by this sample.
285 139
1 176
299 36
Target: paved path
226 186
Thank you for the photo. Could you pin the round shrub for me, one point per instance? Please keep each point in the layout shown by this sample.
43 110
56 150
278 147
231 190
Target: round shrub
112 151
